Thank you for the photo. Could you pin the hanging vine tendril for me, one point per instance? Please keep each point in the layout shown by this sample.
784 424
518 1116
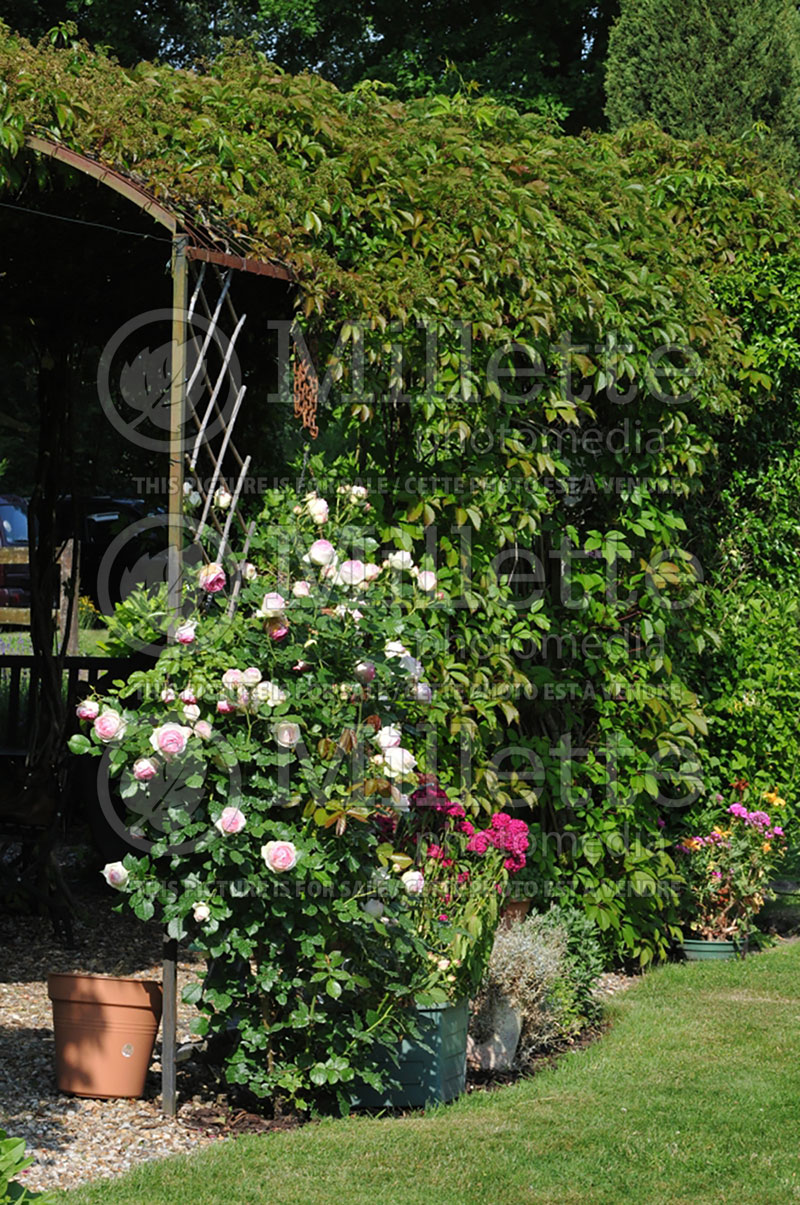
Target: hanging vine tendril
305 395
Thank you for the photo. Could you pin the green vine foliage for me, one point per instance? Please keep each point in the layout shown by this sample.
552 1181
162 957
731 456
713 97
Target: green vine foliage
430 241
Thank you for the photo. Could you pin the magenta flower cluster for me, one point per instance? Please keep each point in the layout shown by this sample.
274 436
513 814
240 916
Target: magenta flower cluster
759 820
506 834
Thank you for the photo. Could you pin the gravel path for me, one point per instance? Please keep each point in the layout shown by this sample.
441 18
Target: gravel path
74 1140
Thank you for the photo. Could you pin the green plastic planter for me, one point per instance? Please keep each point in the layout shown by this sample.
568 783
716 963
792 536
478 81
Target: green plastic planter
703 950
425 1077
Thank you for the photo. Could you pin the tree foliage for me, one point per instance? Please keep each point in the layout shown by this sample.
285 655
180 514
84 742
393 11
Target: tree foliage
724 69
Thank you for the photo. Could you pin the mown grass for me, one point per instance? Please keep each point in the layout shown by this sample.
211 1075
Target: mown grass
693 1096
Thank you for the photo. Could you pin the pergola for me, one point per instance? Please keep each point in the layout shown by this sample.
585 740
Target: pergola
208 245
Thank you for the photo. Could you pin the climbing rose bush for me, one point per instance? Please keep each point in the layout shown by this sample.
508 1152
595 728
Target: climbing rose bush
262 763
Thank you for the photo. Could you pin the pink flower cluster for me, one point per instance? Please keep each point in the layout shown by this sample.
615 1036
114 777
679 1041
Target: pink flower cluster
506 834
759 820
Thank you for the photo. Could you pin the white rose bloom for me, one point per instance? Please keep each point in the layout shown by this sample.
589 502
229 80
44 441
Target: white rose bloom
269 693
191 712
388 737
249 571
373 908
301 589
426 580
115 874
394 648
400 560
251 676
413 881
357 493
201 912
371 571
222 498
398 762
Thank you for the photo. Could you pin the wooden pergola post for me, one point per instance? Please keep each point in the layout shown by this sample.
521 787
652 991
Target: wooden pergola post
177 436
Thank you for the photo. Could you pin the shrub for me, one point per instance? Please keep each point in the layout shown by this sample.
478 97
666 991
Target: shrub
546 968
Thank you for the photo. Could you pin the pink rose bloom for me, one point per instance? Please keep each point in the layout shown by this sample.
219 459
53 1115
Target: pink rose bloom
231 821
242 697
170 739
191 712
321 552
232 678
365 672
279 856
318 509
301 589
371 571
225 707
188 696
185 633
212 578
352 573
115 874
426 581
89 709
278 632
251 676
109 726
168 695
203 728
144 769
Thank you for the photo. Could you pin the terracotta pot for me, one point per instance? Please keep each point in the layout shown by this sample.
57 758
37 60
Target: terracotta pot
513 912
105 1029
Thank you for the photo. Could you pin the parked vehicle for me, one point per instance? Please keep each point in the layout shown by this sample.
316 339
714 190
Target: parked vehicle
15 580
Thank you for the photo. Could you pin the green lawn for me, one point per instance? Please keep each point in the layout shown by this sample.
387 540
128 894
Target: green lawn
693 1096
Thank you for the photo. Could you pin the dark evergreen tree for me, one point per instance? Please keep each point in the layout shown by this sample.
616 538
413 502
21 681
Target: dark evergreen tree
719 67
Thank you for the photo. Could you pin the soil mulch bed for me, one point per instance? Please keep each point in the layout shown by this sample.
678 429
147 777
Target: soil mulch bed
74 1140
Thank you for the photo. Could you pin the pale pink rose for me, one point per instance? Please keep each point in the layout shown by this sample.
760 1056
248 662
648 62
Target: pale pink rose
371 571
365 672
301 589
398 762
273 605
300 667
421 692
212 578
170 739
388 737
251 676
330 573
279 856
203 729
225 707
352 573
168 695
249 571
109 726
413 881
278 631
321 552
185 633
287 734
232 678
242 697
201 912
231 821
426 580
191 712
144 769
115 874
89 709
318 509
187 696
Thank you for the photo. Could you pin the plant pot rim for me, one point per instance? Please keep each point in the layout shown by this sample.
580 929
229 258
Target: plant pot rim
93 975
